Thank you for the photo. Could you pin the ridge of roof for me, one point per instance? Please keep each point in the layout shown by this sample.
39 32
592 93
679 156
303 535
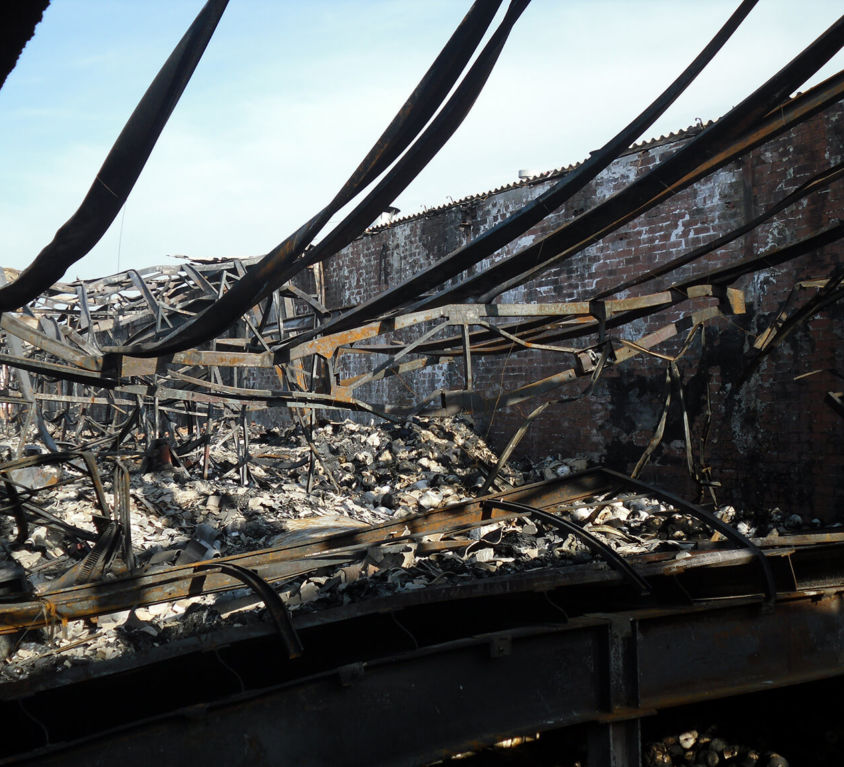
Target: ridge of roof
646 144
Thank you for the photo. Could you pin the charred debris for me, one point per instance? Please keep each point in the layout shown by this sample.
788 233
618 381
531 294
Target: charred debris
189 473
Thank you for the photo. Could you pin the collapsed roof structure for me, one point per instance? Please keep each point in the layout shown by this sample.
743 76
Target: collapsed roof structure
149 364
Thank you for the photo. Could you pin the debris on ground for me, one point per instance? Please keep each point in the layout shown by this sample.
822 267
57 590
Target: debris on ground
707 749
383 473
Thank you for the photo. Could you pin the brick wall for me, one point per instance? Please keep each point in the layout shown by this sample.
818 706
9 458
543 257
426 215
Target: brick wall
772 440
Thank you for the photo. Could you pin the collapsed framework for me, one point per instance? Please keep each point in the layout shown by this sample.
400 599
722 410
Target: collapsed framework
156 364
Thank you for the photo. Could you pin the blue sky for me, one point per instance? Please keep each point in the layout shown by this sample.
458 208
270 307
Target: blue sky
290 95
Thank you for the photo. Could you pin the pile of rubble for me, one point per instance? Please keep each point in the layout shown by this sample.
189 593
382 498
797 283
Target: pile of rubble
362 475
707 750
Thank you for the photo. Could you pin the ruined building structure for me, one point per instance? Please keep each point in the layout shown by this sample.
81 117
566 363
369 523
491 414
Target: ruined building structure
773 439
333 593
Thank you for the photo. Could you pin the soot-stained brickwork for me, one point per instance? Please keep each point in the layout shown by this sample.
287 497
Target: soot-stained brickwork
772 439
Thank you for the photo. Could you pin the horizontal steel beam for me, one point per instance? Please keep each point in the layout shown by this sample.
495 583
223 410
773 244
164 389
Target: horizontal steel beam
424 704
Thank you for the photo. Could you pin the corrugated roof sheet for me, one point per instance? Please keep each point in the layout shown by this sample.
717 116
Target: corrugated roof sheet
679 135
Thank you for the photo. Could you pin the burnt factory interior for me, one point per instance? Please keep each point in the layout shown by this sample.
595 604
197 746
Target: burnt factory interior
552 474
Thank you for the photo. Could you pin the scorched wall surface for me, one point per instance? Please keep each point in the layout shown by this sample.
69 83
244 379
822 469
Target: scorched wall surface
773 441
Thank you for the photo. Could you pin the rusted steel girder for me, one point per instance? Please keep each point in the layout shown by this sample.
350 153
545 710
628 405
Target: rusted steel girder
116 368
718 278
15 325
583 364
479 676
537 333
283 563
